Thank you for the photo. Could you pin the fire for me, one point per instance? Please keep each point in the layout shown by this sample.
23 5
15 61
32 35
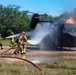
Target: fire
70 20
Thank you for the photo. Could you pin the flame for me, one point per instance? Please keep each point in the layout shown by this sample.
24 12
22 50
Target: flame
70 20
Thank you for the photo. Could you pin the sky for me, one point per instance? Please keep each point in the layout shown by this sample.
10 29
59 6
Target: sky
51 7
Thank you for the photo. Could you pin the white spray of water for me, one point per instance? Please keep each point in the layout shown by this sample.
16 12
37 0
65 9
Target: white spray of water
41 31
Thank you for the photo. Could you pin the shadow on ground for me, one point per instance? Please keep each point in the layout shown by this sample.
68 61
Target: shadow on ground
63 49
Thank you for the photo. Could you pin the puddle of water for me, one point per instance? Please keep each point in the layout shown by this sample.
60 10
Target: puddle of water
36 61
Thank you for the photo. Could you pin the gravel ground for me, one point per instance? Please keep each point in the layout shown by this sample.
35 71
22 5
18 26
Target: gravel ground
43 56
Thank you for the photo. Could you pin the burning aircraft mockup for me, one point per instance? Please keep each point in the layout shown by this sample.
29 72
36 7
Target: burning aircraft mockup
59 35
51 35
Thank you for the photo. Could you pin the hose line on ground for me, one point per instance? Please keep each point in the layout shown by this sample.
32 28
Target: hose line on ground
1 56
9 49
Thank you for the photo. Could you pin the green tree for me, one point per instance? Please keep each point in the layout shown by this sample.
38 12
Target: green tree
13 19
46 17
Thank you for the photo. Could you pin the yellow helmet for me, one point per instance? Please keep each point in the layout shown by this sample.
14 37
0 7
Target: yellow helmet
12 32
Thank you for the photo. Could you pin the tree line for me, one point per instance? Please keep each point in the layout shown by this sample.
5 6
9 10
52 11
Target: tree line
14 20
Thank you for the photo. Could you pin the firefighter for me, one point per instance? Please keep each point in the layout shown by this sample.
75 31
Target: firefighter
1 45
22 44
12 40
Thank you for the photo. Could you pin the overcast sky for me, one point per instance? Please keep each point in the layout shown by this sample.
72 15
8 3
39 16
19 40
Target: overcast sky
53 7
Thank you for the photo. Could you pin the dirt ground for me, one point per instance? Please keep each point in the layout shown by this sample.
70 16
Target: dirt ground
42 56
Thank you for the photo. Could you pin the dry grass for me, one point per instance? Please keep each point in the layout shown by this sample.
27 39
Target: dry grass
63 67
17 68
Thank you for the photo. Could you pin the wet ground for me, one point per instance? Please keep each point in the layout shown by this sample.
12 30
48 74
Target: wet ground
43 56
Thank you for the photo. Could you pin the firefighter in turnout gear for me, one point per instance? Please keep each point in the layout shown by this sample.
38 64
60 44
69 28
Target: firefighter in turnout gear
12 40
22 39
1 45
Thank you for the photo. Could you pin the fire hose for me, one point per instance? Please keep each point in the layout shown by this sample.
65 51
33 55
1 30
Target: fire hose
1 56
9 49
